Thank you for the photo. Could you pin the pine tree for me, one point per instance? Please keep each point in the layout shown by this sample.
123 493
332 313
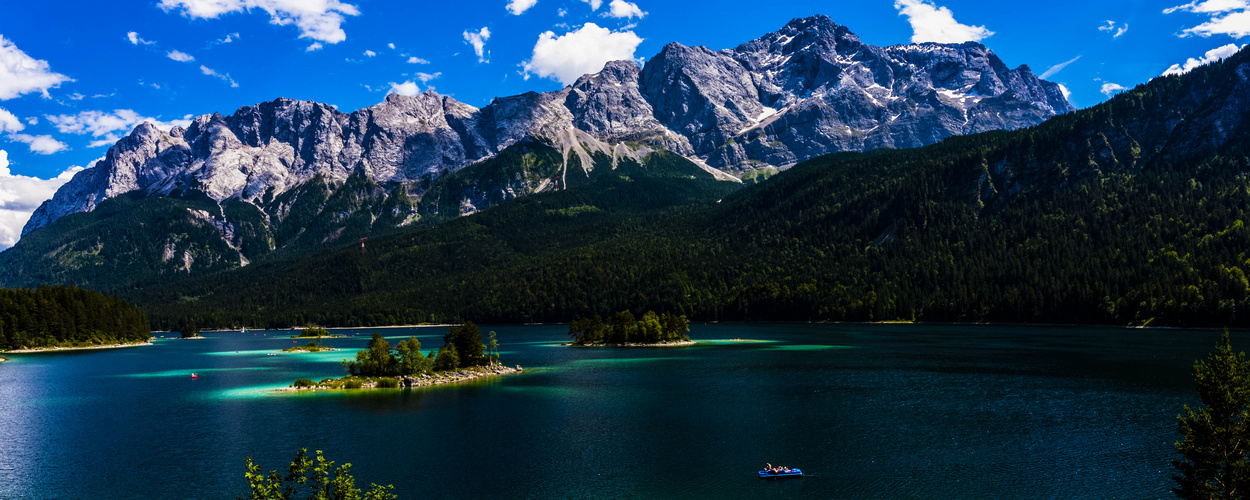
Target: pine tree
1216 437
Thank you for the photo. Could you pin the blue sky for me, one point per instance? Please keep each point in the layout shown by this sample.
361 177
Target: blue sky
76 75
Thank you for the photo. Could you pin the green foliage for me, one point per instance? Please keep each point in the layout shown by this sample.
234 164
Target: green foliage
303 382
388 383
589 330
1130 212
410 360
189 330
55 316
447 358
375 360
1216 437
315 331
623 327
467 339
492 348
313 479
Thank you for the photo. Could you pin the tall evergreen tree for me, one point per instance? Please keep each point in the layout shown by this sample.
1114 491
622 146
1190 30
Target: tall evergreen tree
1216 436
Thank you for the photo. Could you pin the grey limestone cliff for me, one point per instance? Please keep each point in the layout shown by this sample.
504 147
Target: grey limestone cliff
808 89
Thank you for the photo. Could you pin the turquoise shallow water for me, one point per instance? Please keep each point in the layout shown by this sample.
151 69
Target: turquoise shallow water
867 411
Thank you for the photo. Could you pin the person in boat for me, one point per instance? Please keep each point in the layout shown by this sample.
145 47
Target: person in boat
769 467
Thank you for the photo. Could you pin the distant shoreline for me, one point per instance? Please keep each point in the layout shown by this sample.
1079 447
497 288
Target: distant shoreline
58 349
682 343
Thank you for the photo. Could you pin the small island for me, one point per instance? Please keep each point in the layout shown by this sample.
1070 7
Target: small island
463 356
311 346
190 331
622 330
316 332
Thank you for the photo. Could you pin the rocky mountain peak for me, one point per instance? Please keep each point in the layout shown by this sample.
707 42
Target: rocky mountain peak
810 88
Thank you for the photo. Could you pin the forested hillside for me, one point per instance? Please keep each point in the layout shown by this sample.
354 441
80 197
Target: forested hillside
1131 212
67 317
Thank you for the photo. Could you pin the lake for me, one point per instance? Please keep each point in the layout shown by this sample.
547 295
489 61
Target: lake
867 411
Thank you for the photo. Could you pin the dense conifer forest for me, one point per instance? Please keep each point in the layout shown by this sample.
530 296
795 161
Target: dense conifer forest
1130 212
55 316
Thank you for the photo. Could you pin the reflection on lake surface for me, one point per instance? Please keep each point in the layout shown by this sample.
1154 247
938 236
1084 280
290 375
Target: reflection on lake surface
867 411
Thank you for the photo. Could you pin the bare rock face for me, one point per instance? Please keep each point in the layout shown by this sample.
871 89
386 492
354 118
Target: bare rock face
808 89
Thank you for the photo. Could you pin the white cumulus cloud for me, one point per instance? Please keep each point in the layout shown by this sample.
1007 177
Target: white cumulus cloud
314 47
426 77
594 4
39 144
571 55
21 195
319 20
1109 89
105 124
407 88
478 41
1211 56
930 23
1067 94
417 60
9 122
22 74
624 10
1227 17
179 56
518 7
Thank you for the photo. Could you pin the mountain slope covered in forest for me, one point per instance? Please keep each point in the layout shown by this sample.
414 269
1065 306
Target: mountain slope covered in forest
1130 212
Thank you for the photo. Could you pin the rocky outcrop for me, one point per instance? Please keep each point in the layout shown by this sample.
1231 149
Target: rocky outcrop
808 89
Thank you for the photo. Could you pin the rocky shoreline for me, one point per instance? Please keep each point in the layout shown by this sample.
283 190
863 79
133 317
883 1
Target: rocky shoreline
54 349
682 343
424 380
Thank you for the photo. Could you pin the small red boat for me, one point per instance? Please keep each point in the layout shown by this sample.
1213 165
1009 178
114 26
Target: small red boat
194 376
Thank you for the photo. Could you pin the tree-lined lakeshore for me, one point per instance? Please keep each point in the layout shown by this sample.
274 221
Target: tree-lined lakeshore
59 317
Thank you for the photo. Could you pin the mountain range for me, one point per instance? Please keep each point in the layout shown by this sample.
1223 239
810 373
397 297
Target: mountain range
808 89
575 202
1132 212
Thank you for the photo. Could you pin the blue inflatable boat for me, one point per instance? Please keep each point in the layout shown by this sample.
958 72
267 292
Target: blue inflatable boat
769 475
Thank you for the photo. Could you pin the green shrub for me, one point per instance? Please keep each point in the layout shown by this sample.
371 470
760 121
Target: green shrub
303 383
388 383
353 383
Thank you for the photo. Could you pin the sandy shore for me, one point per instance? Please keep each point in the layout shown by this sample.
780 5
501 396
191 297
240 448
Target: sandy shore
56 349
632 344
427 380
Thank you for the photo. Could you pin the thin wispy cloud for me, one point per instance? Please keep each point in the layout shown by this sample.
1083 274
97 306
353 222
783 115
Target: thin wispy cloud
224 77
179 56
1112 27
1057 68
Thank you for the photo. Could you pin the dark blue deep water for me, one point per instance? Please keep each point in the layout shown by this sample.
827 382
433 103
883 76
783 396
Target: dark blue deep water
868 411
